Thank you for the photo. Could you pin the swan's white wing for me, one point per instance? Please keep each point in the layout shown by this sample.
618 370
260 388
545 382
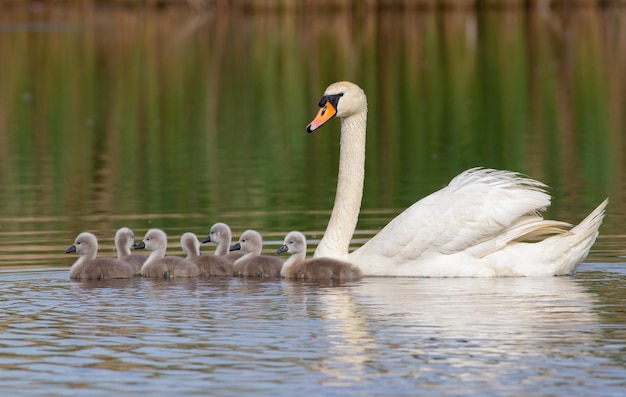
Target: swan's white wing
474 209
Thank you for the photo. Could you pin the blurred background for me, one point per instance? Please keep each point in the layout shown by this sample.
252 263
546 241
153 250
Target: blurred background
179 114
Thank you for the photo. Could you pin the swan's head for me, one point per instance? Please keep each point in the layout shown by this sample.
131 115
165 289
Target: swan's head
341 99
190 244
85 243
153 240
294 243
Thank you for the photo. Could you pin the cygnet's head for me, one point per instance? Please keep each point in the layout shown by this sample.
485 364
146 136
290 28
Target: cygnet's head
153 240
220 232
85 243
250 241
125 237
294 243
190 244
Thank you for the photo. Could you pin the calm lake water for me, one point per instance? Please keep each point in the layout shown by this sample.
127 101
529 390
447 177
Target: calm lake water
380 336
177 119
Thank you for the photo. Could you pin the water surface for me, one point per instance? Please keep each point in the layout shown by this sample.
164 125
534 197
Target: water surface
168 118
391 336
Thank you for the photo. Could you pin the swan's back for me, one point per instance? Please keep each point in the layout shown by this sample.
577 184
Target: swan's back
252 263
159 265
314 269
209 265
476 206
485 223
124 241
88 267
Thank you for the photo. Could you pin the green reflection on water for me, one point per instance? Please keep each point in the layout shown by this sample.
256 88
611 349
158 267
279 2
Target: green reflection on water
177 120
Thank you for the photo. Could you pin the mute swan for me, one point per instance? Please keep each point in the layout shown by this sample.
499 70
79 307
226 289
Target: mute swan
221 235
477 226
159 265
209 265
317 268
87 266
253 264
124 241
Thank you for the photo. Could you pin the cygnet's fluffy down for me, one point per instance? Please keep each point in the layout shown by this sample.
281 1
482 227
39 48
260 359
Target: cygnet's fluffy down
209 265
315 269
124 241
88 267
159 265
252 263
221 235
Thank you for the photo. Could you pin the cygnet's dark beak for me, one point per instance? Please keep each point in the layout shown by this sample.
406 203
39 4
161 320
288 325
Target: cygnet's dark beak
235 247
282 249
207 240
71 249
139 246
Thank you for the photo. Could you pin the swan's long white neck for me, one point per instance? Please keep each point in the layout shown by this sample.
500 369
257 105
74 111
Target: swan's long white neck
345 214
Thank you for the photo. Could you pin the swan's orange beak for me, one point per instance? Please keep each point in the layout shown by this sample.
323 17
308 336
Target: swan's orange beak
326 113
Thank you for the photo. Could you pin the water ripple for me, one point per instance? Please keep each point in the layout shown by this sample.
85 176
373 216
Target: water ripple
378 336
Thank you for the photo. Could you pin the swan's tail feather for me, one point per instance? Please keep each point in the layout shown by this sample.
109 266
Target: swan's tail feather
540 230
529 229
583 236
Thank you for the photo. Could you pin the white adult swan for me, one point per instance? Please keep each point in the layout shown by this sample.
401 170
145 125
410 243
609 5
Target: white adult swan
477 226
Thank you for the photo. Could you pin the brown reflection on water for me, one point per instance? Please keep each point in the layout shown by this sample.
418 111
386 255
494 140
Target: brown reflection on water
168 118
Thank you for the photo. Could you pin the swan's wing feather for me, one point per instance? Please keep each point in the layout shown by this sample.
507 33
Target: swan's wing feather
477 206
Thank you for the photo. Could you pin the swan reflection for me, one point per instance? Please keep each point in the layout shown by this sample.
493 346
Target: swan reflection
464 326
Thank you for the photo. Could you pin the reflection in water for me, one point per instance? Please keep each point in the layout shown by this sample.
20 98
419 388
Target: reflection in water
378 336
449 331
349 337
